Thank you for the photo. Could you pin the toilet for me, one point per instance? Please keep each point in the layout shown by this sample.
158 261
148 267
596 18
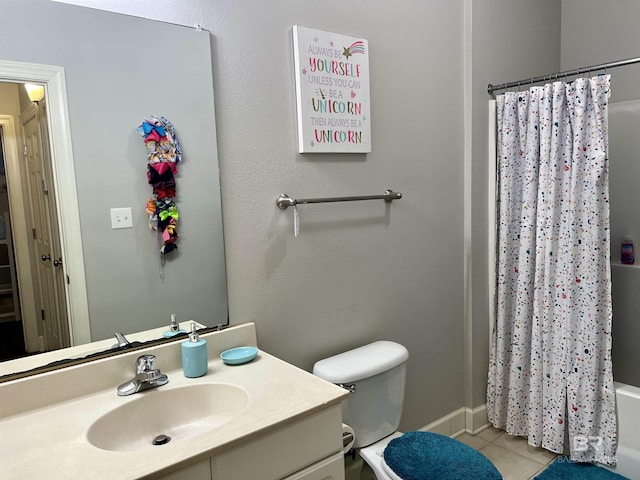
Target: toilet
375 376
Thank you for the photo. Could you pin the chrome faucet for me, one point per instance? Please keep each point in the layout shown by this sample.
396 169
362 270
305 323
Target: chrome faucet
146 377
122 340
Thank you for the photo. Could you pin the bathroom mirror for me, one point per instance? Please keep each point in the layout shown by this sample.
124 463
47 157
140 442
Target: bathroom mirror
117 70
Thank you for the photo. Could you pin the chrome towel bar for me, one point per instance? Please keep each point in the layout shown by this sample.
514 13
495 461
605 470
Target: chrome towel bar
284 201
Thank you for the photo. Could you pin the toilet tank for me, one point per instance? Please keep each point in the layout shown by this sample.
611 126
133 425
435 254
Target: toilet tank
377 371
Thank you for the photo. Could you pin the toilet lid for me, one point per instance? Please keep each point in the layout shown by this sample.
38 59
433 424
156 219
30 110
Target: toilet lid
431 456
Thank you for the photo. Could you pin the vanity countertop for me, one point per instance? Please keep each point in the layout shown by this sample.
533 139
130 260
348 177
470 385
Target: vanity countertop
53 438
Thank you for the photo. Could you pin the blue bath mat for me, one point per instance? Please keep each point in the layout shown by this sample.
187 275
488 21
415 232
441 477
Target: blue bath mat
430 456
563 469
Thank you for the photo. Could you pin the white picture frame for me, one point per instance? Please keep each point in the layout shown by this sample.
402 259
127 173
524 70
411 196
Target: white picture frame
332 92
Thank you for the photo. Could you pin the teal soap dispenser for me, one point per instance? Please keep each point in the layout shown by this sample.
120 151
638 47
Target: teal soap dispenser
195 362
174 328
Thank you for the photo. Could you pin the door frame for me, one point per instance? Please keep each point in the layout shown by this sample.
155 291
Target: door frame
64 180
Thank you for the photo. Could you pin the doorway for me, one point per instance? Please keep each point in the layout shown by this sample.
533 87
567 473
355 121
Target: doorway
69 262
32 292
12 342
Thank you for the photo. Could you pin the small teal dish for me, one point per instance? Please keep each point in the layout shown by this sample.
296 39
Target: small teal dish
239 355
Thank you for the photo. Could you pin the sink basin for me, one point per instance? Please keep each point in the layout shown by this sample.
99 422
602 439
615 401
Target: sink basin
179 413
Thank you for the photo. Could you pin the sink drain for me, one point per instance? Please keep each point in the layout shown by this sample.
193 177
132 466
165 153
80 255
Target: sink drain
161 440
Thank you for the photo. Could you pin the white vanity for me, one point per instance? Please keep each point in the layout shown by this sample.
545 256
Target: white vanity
265 419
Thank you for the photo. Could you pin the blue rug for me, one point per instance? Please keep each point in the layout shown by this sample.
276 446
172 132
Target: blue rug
563 469
430 456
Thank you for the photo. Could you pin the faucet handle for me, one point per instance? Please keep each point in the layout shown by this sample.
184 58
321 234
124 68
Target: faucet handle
144 363
122 340
146 377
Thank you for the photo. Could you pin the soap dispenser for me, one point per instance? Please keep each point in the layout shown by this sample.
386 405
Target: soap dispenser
194 355
627 251
174 328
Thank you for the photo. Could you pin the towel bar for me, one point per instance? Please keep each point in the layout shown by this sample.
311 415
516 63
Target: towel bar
284 201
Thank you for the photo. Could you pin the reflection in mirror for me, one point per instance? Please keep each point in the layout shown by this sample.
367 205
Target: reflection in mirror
98 88
31 272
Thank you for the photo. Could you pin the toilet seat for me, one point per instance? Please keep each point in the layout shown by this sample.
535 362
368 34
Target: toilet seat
427 456
373 456
390 473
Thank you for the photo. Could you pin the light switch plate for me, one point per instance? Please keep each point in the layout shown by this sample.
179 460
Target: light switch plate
121 218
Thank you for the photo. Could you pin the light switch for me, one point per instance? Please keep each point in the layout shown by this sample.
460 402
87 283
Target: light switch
121 218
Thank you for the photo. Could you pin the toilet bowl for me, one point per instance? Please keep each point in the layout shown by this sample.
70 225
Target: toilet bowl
375 375
374 456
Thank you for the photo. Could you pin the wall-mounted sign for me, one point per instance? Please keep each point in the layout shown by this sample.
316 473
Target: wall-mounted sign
332 91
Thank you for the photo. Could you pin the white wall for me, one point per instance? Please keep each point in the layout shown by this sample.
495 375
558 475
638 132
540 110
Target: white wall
596 32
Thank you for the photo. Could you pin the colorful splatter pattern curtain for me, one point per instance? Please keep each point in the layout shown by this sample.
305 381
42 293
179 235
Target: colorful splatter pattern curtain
550 374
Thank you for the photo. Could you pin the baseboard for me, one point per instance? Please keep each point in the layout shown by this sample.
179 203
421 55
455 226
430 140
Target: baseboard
451 425
476 419
463 420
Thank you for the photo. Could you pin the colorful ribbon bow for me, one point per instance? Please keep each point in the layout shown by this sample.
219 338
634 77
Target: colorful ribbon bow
163 155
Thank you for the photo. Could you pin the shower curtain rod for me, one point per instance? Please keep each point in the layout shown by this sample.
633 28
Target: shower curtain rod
566 73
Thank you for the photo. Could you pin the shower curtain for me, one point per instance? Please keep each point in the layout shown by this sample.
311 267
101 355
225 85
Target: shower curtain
550 374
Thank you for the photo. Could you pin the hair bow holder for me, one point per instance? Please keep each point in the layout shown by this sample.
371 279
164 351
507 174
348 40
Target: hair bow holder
163 155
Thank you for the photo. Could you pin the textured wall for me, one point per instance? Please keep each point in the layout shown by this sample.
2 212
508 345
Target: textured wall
599 32
596 32
509 40
362 272
359 271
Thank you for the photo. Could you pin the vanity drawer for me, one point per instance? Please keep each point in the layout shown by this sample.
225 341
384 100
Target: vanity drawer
331 468
282 452
198 471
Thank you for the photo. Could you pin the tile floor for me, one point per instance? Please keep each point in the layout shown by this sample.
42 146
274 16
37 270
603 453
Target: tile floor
512 456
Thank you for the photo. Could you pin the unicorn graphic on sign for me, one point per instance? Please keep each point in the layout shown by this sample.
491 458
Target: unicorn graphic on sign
355 47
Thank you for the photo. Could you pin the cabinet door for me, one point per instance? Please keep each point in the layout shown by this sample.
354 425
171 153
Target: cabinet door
198 471
283 452
331 468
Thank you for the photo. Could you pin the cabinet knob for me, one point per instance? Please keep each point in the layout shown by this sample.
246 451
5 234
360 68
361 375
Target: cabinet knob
45 257
58 262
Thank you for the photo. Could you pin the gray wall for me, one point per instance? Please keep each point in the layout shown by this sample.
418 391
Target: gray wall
506 45
360 272
595 32
119 70
598 32
624 172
